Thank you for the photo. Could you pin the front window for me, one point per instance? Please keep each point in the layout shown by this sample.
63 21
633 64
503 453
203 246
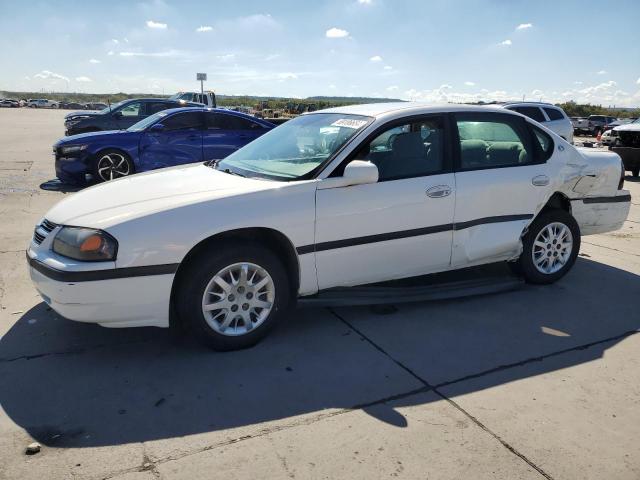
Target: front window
143 124
131 110
113 107
295 148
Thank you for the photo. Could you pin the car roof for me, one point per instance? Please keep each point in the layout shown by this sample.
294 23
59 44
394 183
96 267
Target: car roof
382 109
217 110
528 104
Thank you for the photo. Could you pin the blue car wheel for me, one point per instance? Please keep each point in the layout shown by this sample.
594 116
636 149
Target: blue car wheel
112 164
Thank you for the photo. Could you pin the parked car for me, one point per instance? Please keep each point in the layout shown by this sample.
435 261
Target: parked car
345 197
580 125
7 103
71 105
617 123
167 138
626 143
42 103
118 116
597 123
549 115
95 106
207 98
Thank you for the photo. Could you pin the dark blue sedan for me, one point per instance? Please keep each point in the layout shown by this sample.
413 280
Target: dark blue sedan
167 138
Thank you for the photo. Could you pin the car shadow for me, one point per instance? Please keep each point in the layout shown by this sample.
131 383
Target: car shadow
56 185
77 385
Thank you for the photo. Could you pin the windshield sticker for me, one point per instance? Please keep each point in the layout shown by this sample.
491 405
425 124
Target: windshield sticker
349 123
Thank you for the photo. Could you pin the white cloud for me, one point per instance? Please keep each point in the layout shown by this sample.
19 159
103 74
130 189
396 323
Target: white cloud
93 60
111 52
577 82
638 81
392 88
332 87
336 33
376 58
287 76
46 74
506 42
537 93
156 25
27 78
365 2
388 67
226 57
601 72
83 79
469 84
204 28
524 26
115 40
166 53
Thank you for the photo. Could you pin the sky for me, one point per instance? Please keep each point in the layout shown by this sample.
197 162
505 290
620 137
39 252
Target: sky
424 50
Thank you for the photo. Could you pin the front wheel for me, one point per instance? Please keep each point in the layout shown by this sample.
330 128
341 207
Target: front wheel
233 295
550 247
112 164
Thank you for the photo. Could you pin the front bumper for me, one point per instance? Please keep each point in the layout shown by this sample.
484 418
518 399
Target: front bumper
72 170
77 292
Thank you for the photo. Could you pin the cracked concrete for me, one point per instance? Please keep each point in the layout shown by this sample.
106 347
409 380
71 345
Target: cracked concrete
537 383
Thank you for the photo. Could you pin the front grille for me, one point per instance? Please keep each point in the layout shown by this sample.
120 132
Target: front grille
42 230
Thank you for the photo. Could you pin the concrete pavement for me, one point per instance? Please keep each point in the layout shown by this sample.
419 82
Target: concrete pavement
538 383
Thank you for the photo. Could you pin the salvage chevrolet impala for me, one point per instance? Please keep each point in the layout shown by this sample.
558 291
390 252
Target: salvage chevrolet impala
326 202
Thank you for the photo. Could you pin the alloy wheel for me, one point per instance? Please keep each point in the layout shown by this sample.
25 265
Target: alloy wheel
113 165
238 299
552 248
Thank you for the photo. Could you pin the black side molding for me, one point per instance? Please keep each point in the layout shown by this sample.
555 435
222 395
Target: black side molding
618 199
95 275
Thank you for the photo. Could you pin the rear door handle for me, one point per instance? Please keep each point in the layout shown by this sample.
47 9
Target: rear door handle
439 191
540 181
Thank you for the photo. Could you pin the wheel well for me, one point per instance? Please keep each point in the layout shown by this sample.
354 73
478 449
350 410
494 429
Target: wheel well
557 201
267 237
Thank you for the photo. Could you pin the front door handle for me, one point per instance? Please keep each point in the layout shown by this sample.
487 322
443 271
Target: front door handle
439 191
540 181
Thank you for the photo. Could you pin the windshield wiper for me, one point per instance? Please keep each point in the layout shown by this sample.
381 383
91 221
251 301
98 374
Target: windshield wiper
213 163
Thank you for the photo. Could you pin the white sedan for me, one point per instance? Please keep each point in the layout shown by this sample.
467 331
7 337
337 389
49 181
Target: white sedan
334 199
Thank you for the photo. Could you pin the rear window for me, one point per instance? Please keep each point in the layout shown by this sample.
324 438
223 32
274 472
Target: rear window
532 112
554 114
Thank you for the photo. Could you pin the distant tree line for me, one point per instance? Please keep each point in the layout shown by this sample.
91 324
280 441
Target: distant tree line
574 109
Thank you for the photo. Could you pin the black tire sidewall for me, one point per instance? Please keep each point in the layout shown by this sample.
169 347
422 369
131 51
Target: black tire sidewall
199 273
101 154
527 267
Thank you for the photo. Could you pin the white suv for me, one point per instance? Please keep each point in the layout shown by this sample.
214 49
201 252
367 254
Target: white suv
547 114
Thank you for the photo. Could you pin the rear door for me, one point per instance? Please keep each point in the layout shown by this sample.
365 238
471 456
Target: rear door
501 179
226 133
178 143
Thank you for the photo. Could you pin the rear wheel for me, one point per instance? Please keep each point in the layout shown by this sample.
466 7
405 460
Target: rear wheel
550 247
234 295
112 164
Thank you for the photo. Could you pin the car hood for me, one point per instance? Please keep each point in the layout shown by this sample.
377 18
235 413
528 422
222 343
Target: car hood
127 198
94 136
82 113
629 127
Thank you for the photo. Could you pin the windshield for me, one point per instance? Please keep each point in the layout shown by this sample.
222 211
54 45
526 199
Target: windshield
181 96
145 122
113 107
296 147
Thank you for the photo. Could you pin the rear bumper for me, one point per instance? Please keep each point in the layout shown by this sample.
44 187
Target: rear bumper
139 301
601 214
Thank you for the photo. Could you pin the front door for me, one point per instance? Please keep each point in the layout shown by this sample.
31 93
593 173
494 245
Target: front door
401 225
502 179
179 142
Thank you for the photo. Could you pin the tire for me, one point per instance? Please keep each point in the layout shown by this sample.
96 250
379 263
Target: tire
111 164
557 260
635 172
199 279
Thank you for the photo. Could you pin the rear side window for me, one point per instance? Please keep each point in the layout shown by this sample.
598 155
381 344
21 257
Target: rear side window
493 141
544 141
554 114
155 107
220 121
183 121
531 112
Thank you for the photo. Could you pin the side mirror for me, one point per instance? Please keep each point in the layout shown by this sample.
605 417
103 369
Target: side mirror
156 127
357 172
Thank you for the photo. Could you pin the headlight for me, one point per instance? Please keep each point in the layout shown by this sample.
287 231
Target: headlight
86 244
73 149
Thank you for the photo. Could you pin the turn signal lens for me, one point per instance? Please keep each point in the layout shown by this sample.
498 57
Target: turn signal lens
91 244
